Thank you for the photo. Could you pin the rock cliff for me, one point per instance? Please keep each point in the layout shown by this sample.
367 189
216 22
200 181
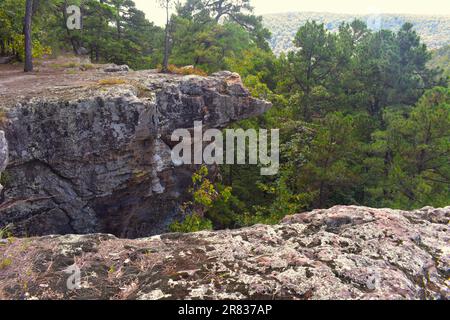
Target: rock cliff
340 253
90 153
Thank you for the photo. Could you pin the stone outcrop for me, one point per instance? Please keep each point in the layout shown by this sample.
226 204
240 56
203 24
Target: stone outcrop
340 253
6 60
93 155
116 68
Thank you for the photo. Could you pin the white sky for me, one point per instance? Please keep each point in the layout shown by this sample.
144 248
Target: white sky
436 7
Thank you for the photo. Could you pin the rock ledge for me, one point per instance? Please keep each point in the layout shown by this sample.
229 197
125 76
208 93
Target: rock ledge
94 155
340 253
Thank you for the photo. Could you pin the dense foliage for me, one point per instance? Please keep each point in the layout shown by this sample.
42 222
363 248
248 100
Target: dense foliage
364 115
113 31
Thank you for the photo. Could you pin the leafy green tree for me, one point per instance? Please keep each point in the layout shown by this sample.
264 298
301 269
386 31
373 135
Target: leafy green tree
191 223
136 42
393 69
329 168
254 64
11 26
207 199
235 11
207 47
308 69
203 9
413 154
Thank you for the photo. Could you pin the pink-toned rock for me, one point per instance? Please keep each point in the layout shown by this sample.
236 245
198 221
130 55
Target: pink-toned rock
340 253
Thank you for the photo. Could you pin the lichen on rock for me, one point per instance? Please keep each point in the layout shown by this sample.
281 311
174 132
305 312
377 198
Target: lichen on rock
340 253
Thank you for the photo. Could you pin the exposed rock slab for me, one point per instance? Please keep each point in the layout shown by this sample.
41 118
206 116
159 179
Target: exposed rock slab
340 253
116 68
95 157
5 60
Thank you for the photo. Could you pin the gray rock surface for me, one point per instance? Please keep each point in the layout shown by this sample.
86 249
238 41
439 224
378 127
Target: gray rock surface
96 157
116 68
6 60
340 253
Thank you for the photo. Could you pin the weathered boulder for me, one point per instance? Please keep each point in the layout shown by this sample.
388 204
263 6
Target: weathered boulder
96 158
82 51
116 68
6 60
340 253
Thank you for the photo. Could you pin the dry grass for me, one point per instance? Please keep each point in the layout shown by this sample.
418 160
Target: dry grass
185 71
2 117
5 263
111 82
142 90
66 65
5 232
87 66
109 267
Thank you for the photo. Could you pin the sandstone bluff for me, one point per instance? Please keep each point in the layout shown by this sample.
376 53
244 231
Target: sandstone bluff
340 253
90 153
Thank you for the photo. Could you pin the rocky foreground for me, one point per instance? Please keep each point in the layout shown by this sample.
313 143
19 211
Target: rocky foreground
340 253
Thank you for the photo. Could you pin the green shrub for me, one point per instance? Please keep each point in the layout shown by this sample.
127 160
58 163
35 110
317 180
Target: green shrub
205 196
5 232
192 223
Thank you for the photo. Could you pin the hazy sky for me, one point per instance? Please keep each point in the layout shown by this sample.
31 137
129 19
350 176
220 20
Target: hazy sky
440 7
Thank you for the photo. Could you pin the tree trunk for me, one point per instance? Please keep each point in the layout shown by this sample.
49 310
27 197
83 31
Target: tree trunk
72 40
28 39
11 46
91 52
321 195
2 48
309 71
119 32
97 53
165 67
307 105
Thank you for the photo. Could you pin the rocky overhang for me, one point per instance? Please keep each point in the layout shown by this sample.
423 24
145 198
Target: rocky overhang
91 152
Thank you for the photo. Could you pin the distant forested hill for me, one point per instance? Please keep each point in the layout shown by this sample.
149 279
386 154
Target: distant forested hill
434 30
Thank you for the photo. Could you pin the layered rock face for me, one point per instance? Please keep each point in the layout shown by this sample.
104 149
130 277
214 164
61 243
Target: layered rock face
95 157
340 253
